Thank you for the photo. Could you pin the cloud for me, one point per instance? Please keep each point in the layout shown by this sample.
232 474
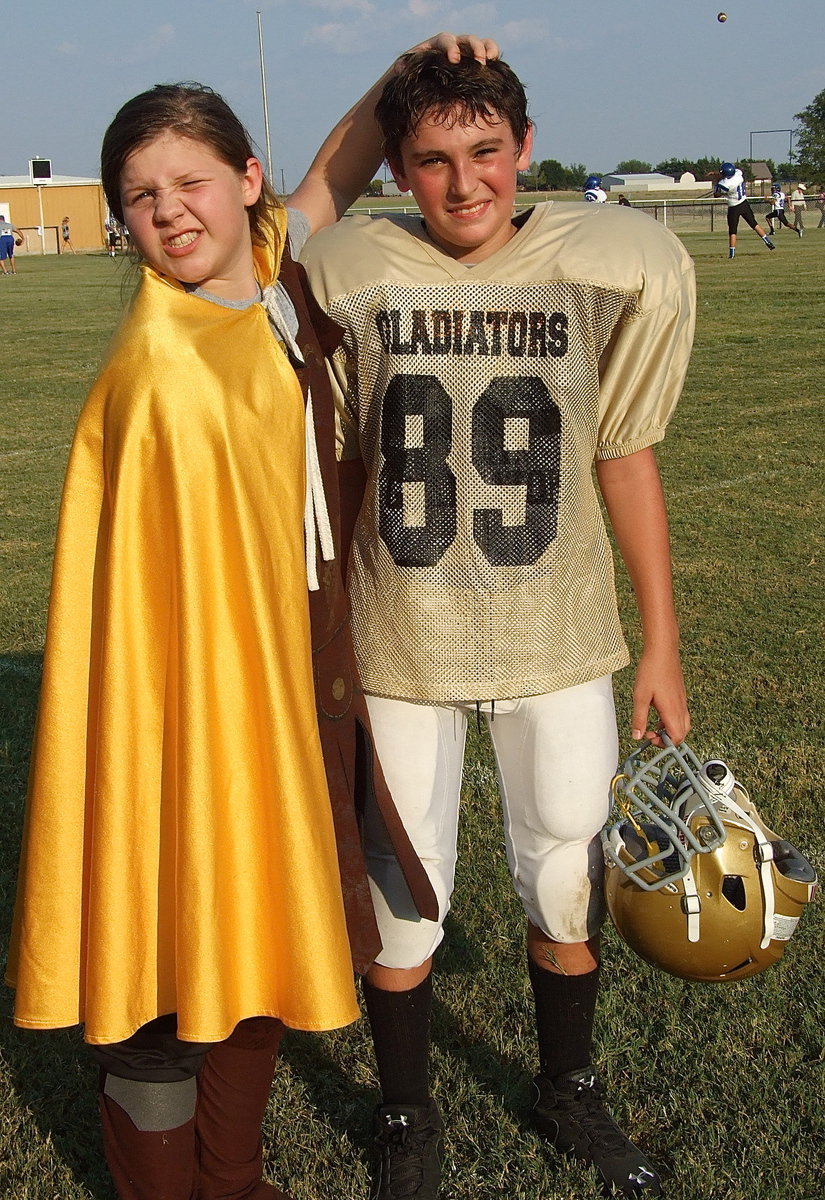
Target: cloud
161 37
149 47
336 37
363 7
455 17
68 48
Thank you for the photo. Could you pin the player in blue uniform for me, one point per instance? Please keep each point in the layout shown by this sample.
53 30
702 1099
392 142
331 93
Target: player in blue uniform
732 186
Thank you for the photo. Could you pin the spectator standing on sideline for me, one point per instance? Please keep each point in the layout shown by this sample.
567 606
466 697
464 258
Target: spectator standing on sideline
820 204
66 235
9 236
112 236
798 207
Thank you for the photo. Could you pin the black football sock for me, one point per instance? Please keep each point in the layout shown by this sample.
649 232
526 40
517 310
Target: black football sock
565 1007
400 1023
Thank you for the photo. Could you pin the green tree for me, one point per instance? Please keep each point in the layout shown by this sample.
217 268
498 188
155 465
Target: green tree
703 168
633 166
529 179
552 175
810 138
575 175
674 167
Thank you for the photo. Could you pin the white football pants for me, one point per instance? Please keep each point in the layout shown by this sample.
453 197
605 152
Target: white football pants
556 755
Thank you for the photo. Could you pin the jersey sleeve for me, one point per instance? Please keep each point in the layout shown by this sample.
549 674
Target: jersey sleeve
642 370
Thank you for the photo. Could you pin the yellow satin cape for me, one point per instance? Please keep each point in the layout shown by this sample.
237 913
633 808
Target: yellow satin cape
178 851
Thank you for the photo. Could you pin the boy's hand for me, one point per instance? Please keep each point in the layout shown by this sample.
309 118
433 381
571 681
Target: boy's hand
659 684
483 50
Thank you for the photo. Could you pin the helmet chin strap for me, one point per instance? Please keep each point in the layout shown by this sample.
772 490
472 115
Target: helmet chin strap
692 905
721 794
764 857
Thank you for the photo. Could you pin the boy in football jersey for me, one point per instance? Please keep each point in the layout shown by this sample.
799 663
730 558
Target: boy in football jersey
488 361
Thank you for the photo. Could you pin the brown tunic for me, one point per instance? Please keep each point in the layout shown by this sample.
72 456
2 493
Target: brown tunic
352 767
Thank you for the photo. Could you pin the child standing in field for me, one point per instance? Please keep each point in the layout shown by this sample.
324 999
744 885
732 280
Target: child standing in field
488 361
180 892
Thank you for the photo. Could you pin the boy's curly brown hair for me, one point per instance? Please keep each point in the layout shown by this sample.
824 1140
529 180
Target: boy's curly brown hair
462 92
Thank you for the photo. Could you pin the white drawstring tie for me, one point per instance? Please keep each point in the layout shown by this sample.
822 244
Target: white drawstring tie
316 513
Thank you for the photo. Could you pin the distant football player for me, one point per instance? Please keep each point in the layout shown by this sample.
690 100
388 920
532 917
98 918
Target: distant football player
731 185
777 213
593 190
488 360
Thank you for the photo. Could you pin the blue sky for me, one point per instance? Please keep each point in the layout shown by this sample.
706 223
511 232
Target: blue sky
607 81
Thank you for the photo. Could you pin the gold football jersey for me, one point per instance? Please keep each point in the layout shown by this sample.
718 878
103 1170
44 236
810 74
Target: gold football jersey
478 398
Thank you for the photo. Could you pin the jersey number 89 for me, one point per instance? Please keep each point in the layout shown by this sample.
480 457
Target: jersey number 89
535 466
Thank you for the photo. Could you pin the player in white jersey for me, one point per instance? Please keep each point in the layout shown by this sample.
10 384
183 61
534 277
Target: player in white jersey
488 361
779 200
593 191
731 185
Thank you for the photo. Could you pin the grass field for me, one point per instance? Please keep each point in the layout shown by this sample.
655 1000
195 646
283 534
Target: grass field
722 1085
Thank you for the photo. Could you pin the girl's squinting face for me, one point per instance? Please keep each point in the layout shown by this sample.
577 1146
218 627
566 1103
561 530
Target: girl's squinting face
186 211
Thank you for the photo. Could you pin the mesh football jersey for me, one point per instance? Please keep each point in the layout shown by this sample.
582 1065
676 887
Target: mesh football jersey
478 399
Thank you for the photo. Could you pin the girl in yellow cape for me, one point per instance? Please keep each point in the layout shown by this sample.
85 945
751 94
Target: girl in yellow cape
179 890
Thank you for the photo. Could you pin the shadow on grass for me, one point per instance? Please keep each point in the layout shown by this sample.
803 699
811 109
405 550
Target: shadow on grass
47 1071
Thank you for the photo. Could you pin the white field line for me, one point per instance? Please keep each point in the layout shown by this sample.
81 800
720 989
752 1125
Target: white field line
719 484
34 450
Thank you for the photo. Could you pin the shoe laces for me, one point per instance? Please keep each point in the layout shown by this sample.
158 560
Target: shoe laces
584 1101
404 1145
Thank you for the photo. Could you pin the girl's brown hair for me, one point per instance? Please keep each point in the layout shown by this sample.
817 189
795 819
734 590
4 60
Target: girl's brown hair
190 110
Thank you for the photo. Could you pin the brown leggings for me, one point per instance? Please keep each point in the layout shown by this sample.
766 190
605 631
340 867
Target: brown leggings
215 1154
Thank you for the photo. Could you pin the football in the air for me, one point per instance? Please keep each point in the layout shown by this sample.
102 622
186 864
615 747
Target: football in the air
721 16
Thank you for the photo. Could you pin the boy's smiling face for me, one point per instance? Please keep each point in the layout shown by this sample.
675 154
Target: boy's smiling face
464 180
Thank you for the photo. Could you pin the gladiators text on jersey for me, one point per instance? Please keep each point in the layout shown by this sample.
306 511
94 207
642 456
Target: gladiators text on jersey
456 331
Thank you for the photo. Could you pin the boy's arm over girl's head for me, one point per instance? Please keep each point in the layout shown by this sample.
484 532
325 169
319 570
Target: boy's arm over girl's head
352 151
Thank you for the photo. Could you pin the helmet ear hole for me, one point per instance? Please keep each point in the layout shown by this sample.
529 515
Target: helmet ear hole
733 889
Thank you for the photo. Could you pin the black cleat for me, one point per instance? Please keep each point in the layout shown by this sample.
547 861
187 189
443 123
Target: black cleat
410 1138
569 1113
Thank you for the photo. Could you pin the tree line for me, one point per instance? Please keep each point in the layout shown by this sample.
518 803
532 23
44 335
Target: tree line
550 176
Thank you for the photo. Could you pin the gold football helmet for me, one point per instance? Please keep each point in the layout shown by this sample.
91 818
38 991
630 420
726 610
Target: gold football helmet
696 882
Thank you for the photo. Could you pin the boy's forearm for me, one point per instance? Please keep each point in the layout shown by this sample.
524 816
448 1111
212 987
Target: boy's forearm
635 503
